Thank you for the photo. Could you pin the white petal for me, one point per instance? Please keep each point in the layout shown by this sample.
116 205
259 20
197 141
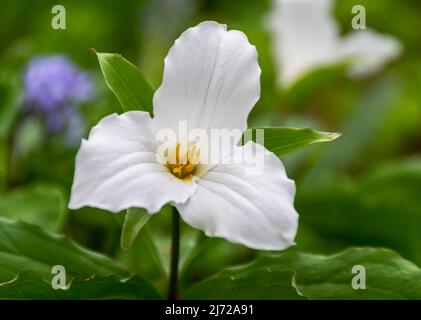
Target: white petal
305 37
254 210
369 51
211 80
116 168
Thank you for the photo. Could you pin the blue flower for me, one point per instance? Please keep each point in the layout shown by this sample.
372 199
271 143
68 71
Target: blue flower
54 86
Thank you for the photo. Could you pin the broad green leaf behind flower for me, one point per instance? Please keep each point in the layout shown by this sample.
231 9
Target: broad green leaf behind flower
126 81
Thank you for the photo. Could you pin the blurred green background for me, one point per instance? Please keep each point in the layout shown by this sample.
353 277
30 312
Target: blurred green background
364 189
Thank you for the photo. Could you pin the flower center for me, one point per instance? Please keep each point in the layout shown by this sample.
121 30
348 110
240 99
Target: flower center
184 164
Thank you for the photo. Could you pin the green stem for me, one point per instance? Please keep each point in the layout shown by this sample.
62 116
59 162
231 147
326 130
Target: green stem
175 253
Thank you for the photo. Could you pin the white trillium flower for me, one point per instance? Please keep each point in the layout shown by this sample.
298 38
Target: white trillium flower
306 37
212 81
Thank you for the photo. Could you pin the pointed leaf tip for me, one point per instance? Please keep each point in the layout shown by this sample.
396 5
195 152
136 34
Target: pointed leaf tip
283 140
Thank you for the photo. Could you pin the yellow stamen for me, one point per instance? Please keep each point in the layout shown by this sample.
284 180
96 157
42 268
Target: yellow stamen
184 168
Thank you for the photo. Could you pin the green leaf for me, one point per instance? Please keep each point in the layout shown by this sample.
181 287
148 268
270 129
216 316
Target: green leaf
30 285
126 81
246 284
388 275
24 247
297 275
42 205
27 247
134 221
282 140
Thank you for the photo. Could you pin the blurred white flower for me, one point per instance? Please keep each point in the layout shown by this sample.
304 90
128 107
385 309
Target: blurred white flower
211 81
306 37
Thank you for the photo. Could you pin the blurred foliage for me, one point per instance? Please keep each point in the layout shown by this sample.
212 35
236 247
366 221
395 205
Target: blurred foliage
42 205
361 190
